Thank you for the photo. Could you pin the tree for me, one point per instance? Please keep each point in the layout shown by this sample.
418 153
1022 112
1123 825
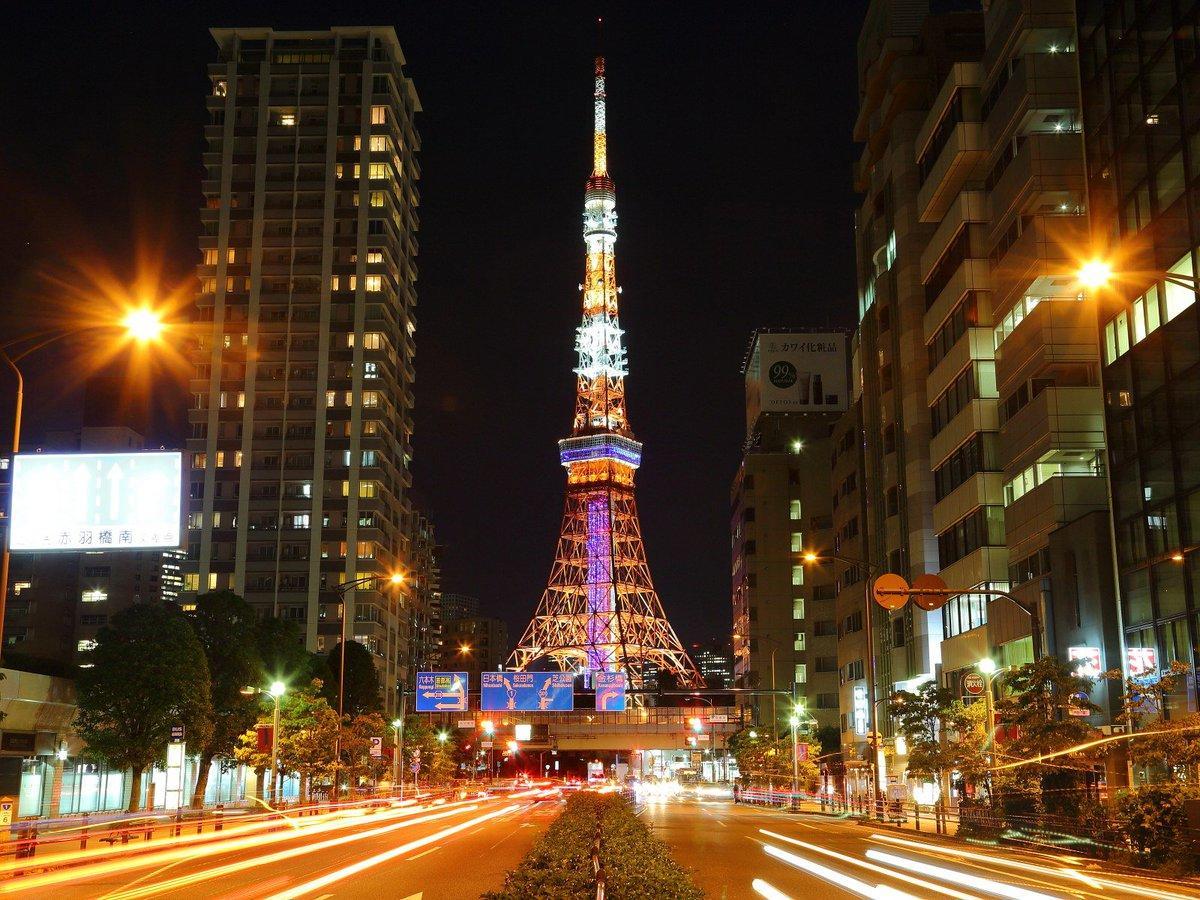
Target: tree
927 718
362 679
1042 696
357 762
148 673
768 758
1164 744
308 732
439 759
225 625
281 650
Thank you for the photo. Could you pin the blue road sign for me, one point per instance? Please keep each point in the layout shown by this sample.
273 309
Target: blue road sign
610 691
442 691
527 690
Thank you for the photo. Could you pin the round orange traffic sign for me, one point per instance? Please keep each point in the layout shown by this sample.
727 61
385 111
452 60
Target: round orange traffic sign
890 591
930 601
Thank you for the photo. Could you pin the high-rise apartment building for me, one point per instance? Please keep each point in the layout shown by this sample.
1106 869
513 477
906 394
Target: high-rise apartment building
459 606
301 424
978 438
476 644
714 659
1141 116
784 626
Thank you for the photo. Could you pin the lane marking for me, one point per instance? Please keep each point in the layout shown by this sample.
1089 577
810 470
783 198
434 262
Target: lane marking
956 877
418 856
769 891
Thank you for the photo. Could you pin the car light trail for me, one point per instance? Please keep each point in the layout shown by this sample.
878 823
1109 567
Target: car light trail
1090 879
879 870
771 893
833 876
986 885
241 865
371 861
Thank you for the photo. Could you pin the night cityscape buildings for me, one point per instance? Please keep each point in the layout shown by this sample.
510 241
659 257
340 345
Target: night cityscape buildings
301 423
998 413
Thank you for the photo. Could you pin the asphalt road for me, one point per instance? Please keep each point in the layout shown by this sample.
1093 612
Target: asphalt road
730 849
448 852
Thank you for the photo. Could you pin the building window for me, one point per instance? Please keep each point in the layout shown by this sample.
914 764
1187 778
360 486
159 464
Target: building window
378 115
373 283
797 541
377 202
94 595
798 642
798 608
379 172
370 398
797 575
86 645
801 673
374 257
379 143
199 460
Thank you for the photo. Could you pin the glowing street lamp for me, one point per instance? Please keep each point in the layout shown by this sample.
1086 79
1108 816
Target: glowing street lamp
143 324
1095 273
276 690
794 721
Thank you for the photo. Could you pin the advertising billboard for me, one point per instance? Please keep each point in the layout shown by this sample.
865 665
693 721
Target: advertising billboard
1088 659
527 690
96 501
442 692
797 372
610 691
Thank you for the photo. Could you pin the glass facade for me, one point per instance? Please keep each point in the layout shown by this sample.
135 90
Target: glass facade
1140 68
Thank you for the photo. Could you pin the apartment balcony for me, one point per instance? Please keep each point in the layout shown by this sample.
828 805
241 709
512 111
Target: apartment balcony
1058 417
971 275
1054 331
976 568
981 489
1046 252
968 207
1054 502
1021 15
975 344
1044 176
1044 84
961 156
979 415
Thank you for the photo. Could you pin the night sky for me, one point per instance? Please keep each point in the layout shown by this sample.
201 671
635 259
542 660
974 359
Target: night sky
729 142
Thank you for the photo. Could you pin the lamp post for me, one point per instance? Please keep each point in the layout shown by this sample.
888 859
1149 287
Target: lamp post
794 720
142 325
396 578
988 669
489 730
872 718
397 753
276 690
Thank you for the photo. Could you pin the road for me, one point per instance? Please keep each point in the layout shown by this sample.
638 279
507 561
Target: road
732 848
452 851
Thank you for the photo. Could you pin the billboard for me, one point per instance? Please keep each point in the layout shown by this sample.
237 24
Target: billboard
96 501
527 690
442 692
610 691
797 372
1088 659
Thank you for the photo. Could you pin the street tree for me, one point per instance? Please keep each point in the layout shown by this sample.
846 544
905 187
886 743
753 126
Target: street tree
361 694
439 759
308 733
934 723
225 625
148 673
766 758
1168 739
1048 702
281 650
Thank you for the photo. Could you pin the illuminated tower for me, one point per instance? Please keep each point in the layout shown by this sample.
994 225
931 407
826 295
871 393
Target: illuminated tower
600 611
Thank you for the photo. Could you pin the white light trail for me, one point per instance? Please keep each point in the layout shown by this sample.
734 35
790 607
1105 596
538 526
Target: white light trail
987 885
768 891
371 861
1090 879
879 870
833 876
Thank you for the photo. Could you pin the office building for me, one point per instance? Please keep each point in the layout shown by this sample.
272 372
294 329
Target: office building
301 422
459 606
475 644
715 661
1143 151
784 628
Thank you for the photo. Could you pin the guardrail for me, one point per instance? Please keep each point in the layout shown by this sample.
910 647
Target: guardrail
938 818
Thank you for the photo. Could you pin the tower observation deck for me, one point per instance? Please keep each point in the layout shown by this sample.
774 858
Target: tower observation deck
600 612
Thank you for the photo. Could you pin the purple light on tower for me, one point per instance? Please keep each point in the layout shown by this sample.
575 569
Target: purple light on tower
599 579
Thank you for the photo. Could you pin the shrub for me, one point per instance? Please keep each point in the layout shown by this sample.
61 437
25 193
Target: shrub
1156 824
636 864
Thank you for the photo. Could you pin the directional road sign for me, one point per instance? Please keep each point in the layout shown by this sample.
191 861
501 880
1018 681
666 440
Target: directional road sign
527 690
442 691
610 691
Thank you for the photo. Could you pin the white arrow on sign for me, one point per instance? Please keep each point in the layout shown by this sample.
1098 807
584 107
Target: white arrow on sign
114 476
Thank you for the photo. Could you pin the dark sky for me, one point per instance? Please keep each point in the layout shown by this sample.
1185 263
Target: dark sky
729 141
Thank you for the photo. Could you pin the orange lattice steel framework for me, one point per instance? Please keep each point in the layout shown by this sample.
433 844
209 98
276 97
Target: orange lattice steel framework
600 611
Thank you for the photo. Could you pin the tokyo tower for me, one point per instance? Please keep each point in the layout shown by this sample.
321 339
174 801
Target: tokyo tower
600 611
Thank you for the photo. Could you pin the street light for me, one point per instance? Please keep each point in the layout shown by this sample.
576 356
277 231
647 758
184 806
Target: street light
488 729
877 762
989 670
794 721
15 350
396 578
397 752
1095 273
276 690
